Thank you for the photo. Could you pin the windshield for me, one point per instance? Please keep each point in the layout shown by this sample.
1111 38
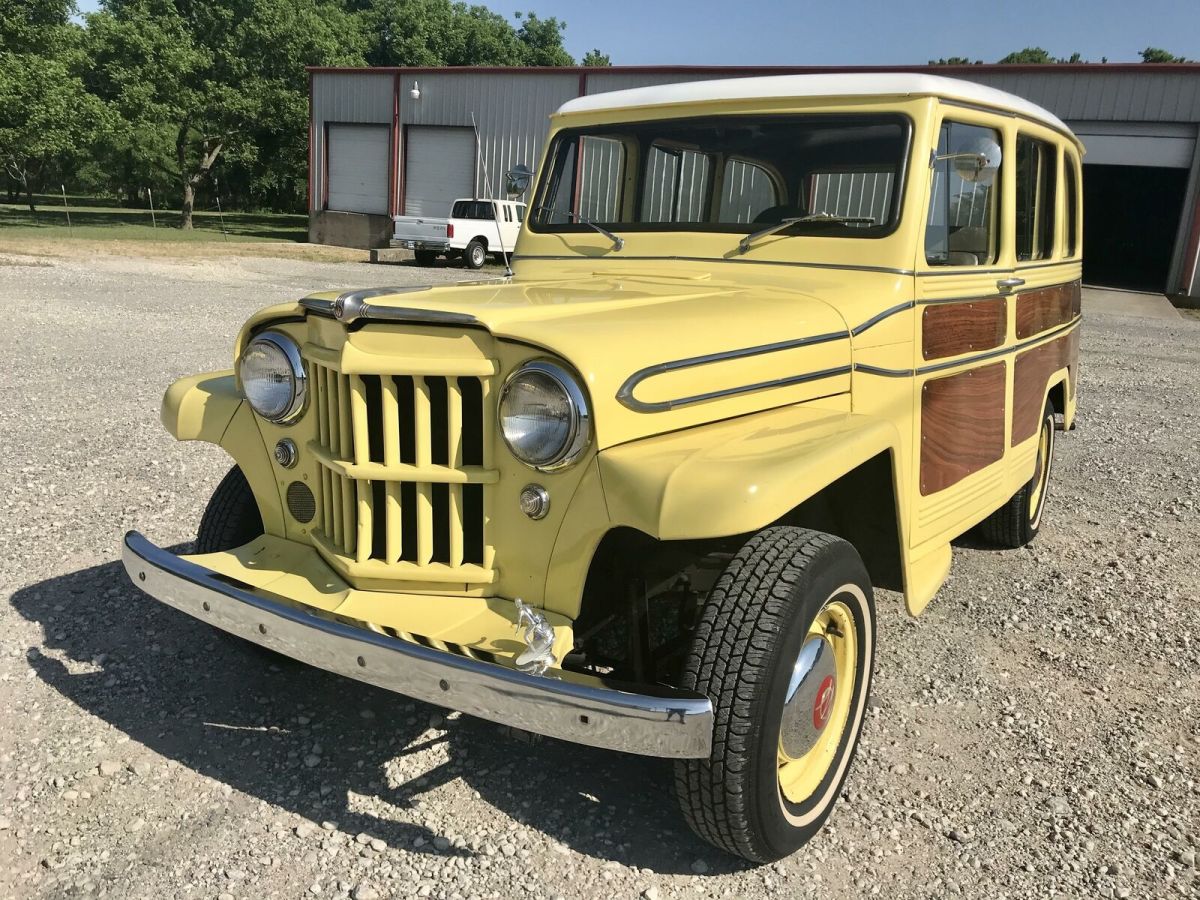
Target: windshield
835 175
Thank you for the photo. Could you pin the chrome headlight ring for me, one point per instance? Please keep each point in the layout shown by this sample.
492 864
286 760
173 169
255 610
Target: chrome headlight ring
578 431
291 368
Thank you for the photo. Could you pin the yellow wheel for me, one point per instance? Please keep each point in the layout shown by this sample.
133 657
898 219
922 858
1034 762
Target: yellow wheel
1016 523
815 712
1038 486
784 648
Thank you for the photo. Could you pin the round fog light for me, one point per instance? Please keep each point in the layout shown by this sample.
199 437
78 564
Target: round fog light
535 501
285 453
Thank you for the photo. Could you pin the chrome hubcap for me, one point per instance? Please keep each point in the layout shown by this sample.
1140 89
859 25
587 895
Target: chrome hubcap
808 704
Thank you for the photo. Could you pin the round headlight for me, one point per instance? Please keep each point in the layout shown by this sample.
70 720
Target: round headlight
544 416
273 379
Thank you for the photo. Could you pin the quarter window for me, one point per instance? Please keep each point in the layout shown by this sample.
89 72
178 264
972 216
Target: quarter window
1036 180
1072 175
963 224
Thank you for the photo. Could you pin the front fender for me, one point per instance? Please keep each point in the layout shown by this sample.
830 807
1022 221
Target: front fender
210 408
739 475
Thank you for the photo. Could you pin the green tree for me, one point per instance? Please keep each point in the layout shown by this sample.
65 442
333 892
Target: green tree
955 61
1028 55
1158 55
542 40
596 59
46 115
196 81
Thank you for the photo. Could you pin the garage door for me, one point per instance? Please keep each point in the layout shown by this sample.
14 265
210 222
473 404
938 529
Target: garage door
358 168
439 168
1154 144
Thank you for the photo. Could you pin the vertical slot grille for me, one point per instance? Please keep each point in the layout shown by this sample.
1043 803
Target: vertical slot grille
402 480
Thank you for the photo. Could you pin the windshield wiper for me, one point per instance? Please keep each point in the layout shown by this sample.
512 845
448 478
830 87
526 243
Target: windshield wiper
824 218
618 242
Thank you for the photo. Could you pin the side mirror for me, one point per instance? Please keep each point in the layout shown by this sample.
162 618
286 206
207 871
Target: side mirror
977 164
517 180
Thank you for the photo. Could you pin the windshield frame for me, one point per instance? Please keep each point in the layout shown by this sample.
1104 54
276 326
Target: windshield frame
555 162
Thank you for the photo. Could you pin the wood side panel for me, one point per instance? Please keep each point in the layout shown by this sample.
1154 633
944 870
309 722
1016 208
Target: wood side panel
962 425
1046 308
950 329
1031 374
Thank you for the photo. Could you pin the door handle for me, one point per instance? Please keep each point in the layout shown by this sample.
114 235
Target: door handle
1007 284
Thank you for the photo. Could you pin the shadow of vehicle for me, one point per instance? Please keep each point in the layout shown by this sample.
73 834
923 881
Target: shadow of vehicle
177 687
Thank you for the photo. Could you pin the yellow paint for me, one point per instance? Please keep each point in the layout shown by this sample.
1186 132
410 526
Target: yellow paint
713 468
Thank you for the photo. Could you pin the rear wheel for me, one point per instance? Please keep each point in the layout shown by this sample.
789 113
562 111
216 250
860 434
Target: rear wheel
475 254
784 648
1016 523
425 257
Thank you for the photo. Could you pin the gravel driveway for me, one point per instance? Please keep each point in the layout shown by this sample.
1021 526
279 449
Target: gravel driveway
1035 733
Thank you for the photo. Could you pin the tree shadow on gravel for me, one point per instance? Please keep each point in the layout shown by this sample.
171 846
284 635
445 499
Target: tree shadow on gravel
181 689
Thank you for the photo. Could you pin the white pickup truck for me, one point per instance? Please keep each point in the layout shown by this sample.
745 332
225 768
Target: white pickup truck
475 228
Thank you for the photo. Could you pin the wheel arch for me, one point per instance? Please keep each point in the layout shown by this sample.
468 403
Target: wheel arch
828 471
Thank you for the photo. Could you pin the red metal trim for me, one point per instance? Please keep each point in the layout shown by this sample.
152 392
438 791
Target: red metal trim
1193 248
1175 68
583 84
394 149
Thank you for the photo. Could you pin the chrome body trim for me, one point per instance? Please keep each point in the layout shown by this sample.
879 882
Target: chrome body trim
712 259
879 317
352 306
625 392
968 360
646 719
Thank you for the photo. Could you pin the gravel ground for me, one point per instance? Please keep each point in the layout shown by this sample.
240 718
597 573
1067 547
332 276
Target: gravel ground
1035 733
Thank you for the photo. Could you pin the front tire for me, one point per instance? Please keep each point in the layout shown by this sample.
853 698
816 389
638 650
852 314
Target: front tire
784 649
231 517
475 254
1016 523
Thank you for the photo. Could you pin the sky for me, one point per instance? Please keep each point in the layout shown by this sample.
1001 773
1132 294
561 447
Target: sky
860 32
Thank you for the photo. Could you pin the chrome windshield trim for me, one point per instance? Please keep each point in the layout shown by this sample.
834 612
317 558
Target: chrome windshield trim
651 720
625 392
712 259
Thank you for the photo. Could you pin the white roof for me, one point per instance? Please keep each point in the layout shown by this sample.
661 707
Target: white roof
846 84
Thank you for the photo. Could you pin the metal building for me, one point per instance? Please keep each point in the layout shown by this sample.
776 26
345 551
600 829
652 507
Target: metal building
409 141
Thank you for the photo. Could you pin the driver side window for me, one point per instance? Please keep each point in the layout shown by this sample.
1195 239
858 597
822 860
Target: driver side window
963 227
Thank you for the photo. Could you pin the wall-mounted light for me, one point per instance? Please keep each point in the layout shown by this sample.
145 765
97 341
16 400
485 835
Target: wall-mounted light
415 93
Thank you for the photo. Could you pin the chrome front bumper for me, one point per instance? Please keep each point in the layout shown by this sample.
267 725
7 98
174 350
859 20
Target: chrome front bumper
566 705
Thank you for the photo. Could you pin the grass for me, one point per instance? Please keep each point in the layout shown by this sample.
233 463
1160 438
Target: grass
99 227
94 222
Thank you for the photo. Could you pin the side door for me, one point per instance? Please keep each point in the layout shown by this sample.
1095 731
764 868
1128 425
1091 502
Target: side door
964 287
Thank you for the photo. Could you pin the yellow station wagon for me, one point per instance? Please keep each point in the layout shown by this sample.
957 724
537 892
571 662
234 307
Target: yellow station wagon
770 343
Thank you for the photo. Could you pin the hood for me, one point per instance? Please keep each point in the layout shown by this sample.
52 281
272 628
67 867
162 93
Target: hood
656 354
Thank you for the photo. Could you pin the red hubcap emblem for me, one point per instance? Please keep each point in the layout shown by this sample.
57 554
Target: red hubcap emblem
823 705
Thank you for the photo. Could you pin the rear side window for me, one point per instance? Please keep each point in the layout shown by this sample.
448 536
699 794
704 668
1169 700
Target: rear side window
1072 179
963 226
1037 176
473 209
